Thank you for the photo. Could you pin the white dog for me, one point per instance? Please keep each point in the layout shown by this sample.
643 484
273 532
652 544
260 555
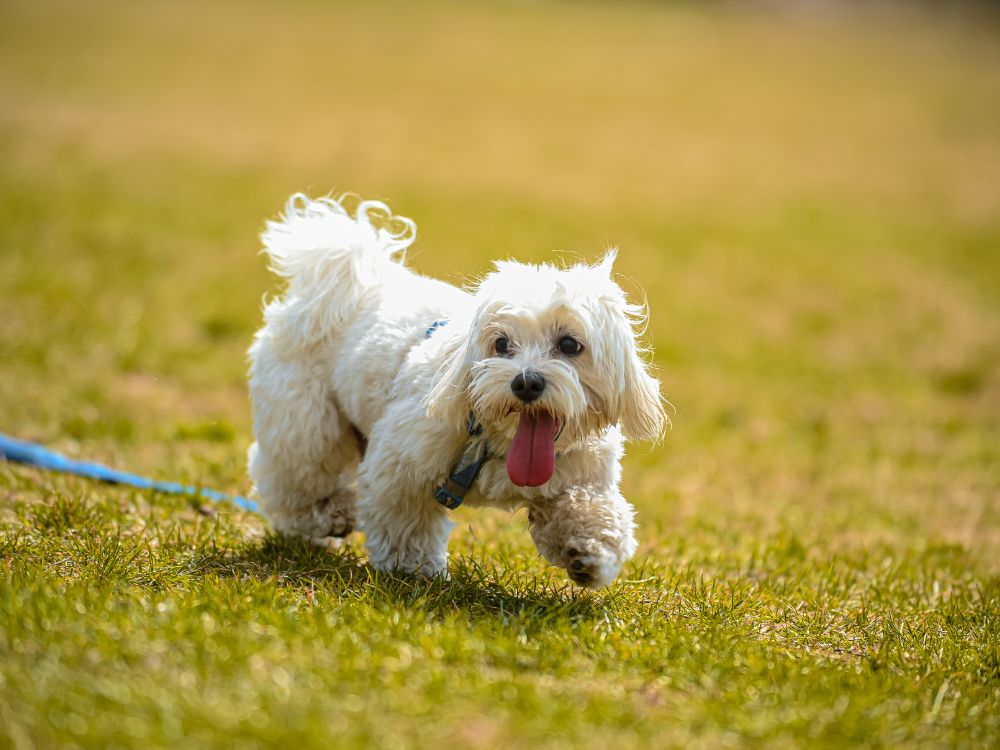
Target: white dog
383 399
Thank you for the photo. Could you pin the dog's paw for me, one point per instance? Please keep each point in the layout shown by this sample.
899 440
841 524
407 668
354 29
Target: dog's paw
327 542
591 563
332 517
410 556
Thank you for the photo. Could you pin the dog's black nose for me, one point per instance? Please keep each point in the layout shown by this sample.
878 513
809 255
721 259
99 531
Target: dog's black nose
528 385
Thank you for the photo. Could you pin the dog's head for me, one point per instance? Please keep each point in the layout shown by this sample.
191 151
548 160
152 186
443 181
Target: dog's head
548 354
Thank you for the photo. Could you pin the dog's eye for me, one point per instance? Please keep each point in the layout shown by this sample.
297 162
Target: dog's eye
569 346
502 345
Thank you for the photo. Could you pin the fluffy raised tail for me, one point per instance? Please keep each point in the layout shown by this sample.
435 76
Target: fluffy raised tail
331 260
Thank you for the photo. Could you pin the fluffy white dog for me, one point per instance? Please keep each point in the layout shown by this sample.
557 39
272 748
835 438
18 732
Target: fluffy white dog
383 399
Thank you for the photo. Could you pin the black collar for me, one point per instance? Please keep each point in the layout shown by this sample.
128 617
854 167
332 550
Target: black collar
460 481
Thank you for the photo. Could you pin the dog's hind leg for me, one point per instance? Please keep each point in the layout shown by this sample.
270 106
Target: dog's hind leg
304 463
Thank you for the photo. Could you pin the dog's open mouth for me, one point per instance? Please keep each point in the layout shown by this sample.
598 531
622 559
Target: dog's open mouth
532 455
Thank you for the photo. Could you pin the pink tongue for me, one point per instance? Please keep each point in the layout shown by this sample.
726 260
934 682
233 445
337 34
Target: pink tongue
532 455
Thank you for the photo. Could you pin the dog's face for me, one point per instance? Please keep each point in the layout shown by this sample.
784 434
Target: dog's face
549 354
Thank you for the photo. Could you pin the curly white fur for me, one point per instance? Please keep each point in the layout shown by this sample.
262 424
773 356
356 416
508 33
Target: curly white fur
359 414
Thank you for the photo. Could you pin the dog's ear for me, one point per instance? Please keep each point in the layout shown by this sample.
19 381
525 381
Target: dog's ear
448 398
636 406
606 265
641 415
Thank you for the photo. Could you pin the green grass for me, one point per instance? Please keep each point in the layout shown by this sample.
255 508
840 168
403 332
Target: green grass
811 203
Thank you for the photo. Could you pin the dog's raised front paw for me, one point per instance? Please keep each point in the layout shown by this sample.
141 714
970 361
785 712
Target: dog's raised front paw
591 563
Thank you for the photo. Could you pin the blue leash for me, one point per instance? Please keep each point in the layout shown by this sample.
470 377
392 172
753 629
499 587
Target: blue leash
33 454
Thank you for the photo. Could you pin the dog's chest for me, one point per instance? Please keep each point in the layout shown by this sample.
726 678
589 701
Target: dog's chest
493 487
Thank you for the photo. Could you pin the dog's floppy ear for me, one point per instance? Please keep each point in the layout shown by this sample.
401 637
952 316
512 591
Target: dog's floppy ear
448 398
639 412
642 416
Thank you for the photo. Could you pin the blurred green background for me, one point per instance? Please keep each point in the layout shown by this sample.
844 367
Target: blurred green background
808 195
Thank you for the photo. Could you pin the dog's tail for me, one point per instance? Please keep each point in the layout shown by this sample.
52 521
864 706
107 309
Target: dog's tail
332 260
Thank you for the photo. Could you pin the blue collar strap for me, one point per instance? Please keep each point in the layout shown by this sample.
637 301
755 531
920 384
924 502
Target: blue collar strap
434 326
452 493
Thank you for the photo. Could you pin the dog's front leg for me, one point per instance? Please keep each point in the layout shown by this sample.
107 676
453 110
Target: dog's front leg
589 531
405 528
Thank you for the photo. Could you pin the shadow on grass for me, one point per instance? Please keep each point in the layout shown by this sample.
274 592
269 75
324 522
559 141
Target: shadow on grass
481 591
83 538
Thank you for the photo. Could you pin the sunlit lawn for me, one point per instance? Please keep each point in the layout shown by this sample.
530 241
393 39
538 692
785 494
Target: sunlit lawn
810 203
